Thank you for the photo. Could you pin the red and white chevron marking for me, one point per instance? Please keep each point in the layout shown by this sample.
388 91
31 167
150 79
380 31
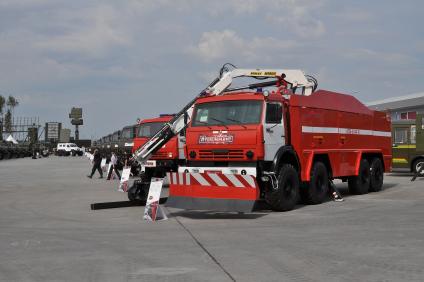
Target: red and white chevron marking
212 179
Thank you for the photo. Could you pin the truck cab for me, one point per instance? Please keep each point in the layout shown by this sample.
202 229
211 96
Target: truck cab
146 129
234 131
164 160
408 144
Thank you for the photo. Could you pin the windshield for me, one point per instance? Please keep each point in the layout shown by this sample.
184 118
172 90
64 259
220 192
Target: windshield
126 133
73 145
228 112
149 129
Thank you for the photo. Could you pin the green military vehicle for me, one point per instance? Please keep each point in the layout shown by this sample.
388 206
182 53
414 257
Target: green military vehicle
408 144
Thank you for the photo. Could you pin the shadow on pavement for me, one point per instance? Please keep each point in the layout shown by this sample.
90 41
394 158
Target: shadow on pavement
401 174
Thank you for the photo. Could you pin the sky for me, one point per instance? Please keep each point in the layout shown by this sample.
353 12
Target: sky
123 60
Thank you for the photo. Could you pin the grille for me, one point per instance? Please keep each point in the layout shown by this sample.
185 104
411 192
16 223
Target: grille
221 154
160 155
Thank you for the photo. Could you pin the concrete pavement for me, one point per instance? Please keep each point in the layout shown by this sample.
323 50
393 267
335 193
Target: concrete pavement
49 233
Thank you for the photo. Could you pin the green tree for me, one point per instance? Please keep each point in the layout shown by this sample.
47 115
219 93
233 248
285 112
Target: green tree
2 103
12 102
8 121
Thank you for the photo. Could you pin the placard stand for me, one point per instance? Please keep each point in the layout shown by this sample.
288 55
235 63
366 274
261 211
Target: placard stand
123 184
153 211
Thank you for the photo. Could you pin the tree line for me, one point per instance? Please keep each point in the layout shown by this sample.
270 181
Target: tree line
6 117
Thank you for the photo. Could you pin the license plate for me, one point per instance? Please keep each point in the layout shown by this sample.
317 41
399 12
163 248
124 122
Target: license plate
149 164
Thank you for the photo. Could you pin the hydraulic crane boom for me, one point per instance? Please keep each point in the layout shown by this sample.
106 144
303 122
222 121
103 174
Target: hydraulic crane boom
294 79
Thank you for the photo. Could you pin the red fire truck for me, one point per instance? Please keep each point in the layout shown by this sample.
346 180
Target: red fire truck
162 161
277 140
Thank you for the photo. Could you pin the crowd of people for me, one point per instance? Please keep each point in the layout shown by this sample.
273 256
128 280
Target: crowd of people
116 164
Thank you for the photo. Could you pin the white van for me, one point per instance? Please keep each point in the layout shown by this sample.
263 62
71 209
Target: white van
67 149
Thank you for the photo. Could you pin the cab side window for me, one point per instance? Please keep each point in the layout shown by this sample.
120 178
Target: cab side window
413 134
401 135
274 113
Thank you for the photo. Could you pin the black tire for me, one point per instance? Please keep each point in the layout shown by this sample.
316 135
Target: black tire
317 190
376 175
360 184
1 156
286 196
137 193
416 165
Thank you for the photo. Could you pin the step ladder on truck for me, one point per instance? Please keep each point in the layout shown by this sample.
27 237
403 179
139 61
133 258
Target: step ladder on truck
278 140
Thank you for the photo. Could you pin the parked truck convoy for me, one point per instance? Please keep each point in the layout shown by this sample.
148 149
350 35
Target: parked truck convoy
8 150
276 140
408 144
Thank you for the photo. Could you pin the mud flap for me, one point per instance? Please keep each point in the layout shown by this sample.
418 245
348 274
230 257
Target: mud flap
212 191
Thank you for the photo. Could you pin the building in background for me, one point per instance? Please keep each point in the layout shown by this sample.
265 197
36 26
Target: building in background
401 107
52 131
407 114
65 135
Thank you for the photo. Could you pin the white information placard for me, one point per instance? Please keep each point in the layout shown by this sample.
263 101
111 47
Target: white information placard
153 211
109 167
123 184
103 164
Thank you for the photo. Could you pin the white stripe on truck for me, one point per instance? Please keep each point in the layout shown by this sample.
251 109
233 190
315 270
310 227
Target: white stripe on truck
215 177
201 179
354 131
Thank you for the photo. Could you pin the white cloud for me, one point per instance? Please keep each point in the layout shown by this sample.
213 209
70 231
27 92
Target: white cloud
298 17
227 43
396 59
97 30
300 20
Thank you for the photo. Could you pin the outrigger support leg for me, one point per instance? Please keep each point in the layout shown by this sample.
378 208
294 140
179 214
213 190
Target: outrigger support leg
418 173
337 197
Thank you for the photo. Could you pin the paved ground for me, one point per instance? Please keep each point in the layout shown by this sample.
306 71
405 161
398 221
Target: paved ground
49 233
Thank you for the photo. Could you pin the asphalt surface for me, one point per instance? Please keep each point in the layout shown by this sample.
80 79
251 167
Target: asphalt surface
49 233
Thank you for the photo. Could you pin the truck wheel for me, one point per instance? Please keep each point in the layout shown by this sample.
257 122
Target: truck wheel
418 164
360 184
376 175
136 192
285 197
317 190
1 155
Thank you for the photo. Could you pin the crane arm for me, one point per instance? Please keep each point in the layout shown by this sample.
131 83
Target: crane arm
296 79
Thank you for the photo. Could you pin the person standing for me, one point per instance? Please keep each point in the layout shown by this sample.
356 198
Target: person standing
114 163
97 160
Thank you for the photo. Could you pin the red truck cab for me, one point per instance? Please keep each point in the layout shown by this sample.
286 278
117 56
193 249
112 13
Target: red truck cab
146 129
165 160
